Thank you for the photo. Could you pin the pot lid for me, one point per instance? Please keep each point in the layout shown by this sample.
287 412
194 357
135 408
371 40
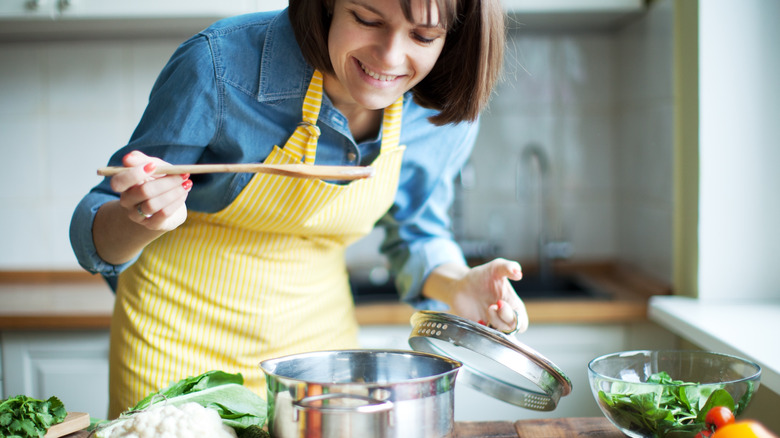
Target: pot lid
493 363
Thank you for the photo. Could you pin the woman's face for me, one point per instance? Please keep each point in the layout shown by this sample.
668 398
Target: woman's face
377 54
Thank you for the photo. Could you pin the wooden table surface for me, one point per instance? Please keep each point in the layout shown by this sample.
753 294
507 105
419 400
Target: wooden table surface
597 427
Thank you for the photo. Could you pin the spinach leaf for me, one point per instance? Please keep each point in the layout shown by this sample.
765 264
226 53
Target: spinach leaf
675 410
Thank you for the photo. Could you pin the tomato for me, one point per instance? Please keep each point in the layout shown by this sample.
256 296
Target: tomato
743 429
703 434
719 416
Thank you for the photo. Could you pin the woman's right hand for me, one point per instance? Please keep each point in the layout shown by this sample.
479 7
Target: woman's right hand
156 202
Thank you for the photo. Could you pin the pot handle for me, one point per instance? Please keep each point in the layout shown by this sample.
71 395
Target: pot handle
312 403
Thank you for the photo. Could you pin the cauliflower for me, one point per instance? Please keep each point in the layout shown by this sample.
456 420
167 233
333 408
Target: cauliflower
190 420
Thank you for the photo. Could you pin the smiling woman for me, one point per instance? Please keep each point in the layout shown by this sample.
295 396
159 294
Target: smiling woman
224 270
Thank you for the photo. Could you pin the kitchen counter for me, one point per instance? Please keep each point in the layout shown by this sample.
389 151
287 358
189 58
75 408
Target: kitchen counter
743 328
597 427
77 300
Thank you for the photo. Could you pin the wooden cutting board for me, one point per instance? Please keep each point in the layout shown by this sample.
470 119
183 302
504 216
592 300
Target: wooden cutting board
73 422
596 427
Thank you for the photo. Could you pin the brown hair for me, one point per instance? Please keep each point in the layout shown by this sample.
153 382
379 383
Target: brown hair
460 84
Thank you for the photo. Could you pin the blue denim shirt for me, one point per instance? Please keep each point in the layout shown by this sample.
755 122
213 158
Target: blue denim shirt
232 92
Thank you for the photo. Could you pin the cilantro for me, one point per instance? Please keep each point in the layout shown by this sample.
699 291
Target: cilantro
677 409
26 417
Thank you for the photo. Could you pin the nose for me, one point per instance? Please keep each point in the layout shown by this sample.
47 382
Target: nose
393 49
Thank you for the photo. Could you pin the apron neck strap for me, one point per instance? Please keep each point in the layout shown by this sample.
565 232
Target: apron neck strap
303 143
391 124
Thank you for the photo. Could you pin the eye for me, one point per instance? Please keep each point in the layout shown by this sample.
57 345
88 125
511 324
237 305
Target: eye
424 39
363 22
427 35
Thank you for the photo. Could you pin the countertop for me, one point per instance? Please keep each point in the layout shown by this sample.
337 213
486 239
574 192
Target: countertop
597 427
742 328
77 300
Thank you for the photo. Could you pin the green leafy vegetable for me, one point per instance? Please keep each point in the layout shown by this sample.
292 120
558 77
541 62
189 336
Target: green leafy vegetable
237 405
253 432
27 417
189 385
675 410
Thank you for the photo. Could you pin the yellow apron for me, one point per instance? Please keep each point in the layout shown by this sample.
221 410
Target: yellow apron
263 278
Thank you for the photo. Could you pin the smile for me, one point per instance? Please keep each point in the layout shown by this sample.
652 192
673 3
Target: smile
375 75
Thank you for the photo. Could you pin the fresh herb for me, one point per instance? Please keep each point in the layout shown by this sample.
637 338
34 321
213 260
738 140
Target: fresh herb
675 409
27 417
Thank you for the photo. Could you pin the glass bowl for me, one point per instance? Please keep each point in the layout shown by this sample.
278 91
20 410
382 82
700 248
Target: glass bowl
667 393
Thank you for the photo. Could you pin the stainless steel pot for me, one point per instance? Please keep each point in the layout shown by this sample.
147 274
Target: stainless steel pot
361 393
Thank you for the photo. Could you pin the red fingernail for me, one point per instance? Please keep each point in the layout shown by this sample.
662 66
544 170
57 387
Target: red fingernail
185 176
498 304
187 184
482 322
149 168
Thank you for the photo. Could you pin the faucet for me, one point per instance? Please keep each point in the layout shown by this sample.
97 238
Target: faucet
533 155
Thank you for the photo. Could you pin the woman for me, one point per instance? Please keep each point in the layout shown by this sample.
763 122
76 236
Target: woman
224 270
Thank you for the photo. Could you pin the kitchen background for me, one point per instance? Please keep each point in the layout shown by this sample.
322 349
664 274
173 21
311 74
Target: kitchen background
598 104
592 98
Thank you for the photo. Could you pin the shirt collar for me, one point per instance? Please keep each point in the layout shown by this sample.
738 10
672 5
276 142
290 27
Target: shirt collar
284 73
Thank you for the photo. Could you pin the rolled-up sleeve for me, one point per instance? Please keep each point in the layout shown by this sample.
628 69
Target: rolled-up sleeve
81 235
418 235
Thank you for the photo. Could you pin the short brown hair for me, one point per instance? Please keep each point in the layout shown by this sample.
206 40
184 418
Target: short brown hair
460 84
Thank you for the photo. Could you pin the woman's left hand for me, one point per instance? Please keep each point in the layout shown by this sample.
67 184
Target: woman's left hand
482 293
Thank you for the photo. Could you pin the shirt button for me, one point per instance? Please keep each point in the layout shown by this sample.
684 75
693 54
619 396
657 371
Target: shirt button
351 156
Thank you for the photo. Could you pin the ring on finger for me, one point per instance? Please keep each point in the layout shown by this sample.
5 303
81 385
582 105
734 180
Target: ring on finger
517 324
141 212
512 331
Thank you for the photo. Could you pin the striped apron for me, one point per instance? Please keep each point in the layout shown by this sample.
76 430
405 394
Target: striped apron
263 278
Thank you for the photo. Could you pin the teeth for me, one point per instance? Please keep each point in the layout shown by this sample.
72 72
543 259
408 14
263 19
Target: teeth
377 76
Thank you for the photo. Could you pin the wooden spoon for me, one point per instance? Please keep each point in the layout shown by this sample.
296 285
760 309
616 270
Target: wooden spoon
291 170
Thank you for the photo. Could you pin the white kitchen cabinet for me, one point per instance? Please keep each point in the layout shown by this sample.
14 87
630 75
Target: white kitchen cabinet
29 9
72 365
572 14
569 346
124 9
46 19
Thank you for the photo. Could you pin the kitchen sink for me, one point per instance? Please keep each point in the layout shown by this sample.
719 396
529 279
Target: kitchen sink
531 287
556 287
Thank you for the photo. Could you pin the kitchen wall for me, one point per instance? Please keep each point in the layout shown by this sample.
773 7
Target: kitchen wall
65 106
598 104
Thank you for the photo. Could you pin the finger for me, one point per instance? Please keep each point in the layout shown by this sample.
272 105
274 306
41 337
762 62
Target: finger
151 197
506 318
135 158
497 322
170 216
513 270
169 199
522 318
132 177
